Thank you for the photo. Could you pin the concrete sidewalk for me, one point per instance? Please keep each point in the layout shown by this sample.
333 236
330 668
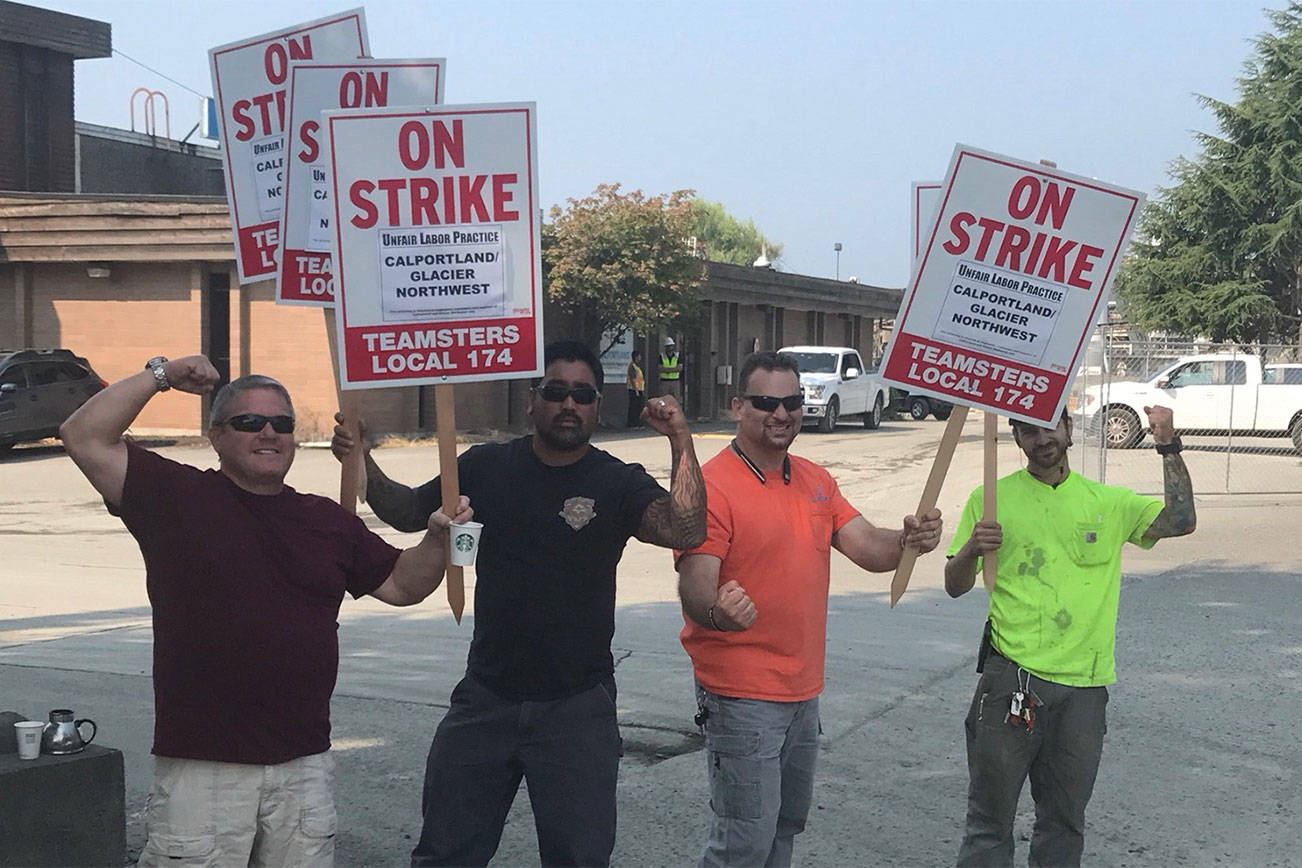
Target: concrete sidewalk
1201 765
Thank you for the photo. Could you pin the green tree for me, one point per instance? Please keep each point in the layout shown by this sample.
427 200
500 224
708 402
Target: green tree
727 239
1220 253
616 261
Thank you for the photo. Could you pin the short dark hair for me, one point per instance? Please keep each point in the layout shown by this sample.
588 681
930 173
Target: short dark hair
1018 423
247 383
574 351
769 361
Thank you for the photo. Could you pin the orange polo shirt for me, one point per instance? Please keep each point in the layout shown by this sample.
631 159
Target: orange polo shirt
775 539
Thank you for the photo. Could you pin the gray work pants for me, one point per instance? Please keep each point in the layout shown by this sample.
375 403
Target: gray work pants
760 756
1061 756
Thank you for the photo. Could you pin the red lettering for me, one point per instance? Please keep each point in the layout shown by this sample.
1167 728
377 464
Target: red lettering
391 186
355 91
990 227
449 199
1055 204
357 194
275 60
1030 186
307 135
1083 266
413 146
503 197
1010 250
240 114
1055 258
958 228
472 197
424 193
449 144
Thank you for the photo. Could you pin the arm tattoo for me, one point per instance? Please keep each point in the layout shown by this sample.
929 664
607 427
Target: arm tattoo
394 503
678 521
1177 517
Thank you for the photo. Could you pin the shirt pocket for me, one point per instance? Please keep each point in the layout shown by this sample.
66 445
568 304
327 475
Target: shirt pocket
1088 546
821 519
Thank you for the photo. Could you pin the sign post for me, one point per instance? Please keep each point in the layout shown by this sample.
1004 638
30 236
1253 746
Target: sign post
437 254
1016 263
249 79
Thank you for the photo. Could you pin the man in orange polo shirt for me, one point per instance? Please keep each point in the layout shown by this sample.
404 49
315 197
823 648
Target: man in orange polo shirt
754 598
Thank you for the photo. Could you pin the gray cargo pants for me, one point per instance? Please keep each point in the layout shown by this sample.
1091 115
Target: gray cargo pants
1061 756
760 757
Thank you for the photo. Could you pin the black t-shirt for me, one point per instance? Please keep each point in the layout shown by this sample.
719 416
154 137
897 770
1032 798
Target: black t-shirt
545 589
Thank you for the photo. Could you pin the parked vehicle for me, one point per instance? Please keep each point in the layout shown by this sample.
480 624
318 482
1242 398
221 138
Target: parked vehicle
837 385
919 407
38 390
1210 394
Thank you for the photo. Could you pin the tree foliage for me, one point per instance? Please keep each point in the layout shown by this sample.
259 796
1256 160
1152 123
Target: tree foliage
727 239
1220 252
617 261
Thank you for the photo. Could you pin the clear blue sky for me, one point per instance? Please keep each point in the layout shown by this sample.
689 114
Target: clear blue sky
812 119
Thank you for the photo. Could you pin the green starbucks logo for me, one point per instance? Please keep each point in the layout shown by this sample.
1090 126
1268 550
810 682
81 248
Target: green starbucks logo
464 542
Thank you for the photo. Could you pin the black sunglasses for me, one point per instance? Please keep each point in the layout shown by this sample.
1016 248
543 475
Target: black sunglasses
556 393
768 403
252 423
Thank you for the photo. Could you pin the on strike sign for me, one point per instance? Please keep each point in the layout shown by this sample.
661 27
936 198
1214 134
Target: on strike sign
304 275
249 78
1018 262
437 248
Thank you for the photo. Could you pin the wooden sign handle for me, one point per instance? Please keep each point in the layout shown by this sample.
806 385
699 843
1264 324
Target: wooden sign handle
930 494
352 472
445 409
990 563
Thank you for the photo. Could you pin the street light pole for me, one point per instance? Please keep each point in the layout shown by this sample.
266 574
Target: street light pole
837 248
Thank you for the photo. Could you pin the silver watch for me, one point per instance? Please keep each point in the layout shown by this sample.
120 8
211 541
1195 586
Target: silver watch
160 375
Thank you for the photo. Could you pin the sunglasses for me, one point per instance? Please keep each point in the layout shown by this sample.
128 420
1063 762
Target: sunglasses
555 393
768 403
252 423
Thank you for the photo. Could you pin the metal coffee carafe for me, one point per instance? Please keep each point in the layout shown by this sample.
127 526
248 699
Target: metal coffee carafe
62 734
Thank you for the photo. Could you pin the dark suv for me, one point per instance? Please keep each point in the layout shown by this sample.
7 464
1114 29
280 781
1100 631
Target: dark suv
38 390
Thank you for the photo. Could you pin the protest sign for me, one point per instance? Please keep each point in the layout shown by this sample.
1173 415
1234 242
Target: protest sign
1017 262
304 275
436 243
249 80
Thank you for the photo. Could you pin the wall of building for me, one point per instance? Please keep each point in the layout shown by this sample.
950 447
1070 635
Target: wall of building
112 164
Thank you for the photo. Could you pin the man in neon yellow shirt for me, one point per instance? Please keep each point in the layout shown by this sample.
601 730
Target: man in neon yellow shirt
1040 706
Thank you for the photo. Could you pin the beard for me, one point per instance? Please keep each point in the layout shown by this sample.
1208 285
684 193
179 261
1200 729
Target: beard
563 438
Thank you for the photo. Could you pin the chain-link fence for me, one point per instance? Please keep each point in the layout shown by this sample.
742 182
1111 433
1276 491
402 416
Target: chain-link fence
1238 410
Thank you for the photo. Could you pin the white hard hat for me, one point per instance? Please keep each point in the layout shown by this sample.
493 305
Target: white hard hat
669 342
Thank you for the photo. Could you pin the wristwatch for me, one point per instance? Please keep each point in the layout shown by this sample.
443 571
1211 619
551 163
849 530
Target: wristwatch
1172 448
160 375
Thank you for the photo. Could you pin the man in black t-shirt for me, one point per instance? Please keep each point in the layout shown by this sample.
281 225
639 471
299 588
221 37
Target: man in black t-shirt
538 699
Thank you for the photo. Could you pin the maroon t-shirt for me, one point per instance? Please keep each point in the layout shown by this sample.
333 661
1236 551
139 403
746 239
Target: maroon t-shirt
246 591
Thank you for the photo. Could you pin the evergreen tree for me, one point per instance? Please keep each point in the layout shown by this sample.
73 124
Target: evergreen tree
1220 253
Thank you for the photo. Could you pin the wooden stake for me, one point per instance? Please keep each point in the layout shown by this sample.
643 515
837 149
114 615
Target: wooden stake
352 473
445 409
990 563
930 494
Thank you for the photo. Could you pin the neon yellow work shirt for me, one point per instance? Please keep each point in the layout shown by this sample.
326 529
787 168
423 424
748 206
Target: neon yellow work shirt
1054 607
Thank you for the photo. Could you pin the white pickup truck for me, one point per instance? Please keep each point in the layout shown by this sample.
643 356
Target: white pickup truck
837 385
1215 393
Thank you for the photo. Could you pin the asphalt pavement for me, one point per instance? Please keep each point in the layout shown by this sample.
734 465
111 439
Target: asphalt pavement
1201 761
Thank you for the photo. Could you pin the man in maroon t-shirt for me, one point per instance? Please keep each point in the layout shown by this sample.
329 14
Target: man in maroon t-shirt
245 577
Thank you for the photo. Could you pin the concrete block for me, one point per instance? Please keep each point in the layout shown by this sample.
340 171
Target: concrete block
63 810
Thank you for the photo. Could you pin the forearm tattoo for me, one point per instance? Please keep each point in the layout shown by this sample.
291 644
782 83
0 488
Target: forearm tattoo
1177 518
394 503
678 521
